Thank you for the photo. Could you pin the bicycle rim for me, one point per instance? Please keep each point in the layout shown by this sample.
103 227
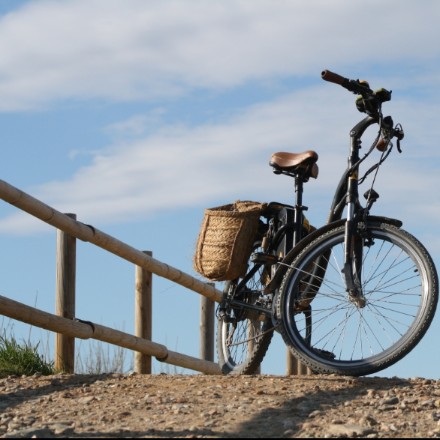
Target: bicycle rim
337 336
243 345
243 336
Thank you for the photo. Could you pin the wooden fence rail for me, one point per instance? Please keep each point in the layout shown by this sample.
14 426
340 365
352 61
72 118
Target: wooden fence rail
88 233
87 330
64 323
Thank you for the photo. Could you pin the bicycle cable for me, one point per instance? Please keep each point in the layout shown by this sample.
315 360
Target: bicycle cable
376 166
384 155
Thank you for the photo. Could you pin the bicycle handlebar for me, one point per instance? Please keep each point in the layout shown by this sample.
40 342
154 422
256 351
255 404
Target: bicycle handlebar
329 76
352 85
369 102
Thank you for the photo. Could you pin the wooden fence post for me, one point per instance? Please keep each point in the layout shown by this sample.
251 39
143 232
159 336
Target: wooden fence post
143 315
65 298
207 318
292 364
296 367
253 330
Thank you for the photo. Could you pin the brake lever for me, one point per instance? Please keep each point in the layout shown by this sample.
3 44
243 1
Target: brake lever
399 134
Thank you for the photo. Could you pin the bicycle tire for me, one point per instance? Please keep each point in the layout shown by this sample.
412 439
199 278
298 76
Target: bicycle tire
243 337
400 284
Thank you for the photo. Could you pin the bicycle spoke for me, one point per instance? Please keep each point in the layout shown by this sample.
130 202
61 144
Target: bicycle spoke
345 336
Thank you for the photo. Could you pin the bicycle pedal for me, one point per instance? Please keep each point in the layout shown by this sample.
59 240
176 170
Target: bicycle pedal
262 258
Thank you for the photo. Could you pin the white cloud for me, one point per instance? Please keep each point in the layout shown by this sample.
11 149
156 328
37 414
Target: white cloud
181 166
136 125
138 49
142 49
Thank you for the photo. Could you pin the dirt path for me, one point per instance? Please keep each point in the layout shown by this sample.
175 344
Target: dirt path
192 406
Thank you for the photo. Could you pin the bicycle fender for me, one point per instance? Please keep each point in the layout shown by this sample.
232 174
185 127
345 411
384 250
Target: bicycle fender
380 219
287 260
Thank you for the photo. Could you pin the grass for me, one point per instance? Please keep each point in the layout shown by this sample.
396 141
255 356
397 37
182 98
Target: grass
21 359
92 357
101 358
27 357
18 359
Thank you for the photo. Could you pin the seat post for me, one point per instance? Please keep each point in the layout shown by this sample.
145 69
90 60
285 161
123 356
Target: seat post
298 209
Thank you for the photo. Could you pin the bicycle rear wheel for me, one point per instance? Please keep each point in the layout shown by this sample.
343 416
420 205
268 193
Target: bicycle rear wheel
331 334
243 335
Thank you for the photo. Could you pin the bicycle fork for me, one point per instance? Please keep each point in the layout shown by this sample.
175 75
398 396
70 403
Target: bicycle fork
355 239
352 270
353 246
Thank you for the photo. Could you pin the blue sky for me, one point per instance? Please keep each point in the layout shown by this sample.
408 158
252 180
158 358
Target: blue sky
138 114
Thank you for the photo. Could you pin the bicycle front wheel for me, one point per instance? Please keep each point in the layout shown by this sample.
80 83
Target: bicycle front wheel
332 334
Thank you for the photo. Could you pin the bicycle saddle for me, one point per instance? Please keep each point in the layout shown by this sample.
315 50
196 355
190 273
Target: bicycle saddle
294 163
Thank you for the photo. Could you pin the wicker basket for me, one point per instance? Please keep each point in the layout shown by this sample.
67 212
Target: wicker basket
226 239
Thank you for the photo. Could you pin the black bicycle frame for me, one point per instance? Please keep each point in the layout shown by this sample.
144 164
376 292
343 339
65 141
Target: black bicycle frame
346 196
347 190
353 242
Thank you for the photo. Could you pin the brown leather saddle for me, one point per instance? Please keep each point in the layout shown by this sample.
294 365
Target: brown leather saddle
296 163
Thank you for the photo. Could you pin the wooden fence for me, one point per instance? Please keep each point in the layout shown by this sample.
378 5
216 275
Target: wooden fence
64 322
68 327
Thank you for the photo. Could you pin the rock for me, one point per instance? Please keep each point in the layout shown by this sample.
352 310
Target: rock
30 433
164 406
349 430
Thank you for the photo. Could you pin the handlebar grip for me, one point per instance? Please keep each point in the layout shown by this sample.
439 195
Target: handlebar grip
357 87
327 75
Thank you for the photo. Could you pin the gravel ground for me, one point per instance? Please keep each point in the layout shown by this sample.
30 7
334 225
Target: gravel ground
192 406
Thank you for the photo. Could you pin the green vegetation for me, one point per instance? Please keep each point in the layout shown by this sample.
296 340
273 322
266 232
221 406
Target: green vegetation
102 358
92 357
18 360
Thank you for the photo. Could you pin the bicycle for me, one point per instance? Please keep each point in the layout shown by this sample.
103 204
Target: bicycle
352 297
